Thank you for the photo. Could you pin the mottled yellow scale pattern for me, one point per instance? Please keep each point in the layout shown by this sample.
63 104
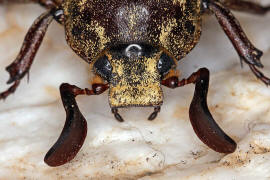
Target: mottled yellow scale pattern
85 37
133 86
182 42
132 23
92 26
181 2
165 32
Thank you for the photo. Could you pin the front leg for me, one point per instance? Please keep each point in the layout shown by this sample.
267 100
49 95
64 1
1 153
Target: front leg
32 41
49 4
201 119
245 49
20 67
74 132
245 6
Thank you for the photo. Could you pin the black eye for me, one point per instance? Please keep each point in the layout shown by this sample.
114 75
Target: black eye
165 63
103 67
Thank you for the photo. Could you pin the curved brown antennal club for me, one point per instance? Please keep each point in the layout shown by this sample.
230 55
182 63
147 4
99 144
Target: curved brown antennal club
73 133
201 119
75 129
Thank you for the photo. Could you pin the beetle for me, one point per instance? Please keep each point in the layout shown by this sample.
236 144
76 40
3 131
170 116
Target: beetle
133 47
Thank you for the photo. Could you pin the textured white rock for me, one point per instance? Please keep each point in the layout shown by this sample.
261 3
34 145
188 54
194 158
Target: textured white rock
166 148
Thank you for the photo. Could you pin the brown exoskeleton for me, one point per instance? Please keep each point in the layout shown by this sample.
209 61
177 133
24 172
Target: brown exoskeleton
133 47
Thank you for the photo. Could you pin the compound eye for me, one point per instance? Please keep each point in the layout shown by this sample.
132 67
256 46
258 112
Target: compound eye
165 63
103 67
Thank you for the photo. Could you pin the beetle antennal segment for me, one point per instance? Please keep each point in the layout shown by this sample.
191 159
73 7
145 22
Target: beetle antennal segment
74 132
201 119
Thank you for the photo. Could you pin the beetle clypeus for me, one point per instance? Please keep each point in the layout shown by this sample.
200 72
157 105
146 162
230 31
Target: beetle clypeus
133 47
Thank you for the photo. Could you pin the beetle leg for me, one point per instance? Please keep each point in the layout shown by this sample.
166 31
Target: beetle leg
49 4
75 129
247 52
259 75
20 67
10 90
45 3
245 6
201 119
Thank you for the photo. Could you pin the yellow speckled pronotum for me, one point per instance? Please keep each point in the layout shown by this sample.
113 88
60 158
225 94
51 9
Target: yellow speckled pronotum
133 47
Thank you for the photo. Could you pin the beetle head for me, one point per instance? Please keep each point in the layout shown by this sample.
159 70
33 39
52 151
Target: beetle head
134 72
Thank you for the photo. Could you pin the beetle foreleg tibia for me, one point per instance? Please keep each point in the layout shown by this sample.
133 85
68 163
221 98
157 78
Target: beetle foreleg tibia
232 28
246 51
245 6
20 67
46 3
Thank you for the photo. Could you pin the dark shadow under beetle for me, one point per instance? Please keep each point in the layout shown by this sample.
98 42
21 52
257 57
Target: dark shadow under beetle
132 60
